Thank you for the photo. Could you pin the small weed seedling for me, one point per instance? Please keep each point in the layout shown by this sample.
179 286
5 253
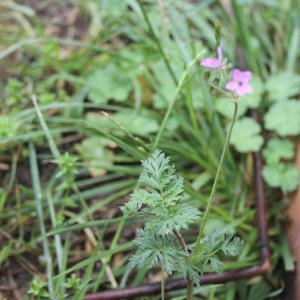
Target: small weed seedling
159 202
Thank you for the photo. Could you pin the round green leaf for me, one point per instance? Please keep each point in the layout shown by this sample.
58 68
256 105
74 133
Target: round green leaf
277 149
284 118
96 155
245 135
137 123
109 83
226 108
285 176
283 86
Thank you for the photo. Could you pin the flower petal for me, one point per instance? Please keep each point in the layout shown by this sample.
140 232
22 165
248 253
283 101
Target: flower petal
231 85
246 76
248 88
244 89
238 75
210 63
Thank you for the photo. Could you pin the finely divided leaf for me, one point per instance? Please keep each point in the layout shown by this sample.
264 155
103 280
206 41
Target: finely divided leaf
156 249
215 264
157 204
231 246
179 217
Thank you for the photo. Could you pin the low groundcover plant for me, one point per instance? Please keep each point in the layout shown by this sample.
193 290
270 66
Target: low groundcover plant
158 202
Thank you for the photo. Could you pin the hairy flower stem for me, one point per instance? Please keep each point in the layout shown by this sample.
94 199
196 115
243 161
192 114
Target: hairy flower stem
190 285
213 191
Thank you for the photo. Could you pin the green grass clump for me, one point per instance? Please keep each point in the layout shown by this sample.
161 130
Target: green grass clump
66 166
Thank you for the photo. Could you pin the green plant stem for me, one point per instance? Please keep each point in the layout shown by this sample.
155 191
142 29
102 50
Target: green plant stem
213 191
177 91
162 284
159 46
39 208
46 130
189 290
190 283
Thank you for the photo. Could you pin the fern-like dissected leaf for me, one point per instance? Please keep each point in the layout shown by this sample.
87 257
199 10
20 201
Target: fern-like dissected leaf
179 217
216 241
215 264
155 170
191 271
158 205
161 197
138 198
159 176
174 191
156 249
225 241
231 246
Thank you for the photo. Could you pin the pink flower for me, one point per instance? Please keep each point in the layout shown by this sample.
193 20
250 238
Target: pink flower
240 83
213 63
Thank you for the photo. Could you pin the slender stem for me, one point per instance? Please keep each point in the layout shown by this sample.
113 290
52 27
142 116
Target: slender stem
124 129
177 91
190 284
159 46
162 284
220 90
189 290
213 191
181 241
39 208
46 130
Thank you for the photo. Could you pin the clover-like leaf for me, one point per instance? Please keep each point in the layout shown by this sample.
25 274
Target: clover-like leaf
245 135
97 156
137 123
109 83
277 149
283 86
226 108
285 176
283 117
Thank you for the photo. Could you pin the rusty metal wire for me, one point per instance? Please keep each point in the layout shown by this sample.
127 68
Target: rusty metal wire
262 268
